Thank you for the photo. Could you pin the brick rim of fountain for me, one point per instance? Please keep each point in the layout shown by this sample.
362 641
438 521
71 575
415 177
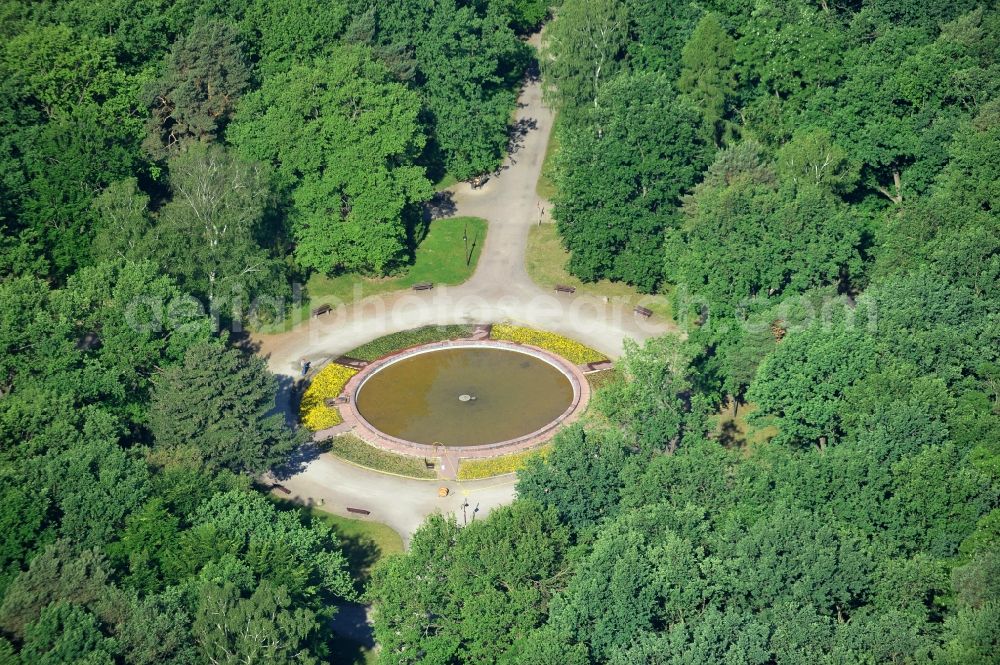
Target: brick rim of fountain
359 426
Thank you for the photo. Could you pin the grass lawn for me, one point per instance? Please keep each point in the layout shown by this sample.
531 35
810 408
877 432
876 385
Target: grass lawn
365 543
440 258
545 188
736 431
446 181
546 263
598 380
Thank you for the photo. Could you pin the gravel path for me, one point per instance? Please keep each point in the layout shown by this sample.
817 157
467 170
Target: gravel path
499 290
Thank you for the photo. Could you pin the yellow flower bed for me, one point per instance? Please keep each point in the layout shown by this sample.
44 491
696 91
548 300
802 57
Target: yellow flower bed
474 469
329 382
569 349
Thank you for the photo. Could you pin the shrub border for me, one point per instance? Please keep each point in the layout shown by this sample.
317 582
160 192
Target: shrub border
319 408
514 461
549 341
448 332
329 446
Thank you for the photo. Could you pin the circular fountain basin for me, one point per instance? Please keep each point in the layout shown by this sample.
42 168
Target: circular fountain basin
466 395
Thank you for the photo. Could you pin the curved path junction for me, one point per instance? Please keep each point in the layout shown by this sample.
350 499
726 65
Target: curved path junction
499 290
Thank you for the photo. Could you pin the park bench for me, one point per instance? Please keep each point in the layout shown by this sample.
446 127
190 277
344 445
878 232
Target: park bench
479 181
281 488
428 464
322 309
563 288
335 401
358 511
423 286
643 312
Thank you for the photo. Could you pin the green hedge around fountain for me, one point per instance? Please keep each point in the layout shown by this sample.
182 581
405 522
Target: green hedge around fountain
387 344
352 449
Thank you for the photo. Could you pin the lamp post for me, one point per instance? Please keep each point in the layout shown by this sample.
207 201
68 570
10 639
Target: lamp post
465 236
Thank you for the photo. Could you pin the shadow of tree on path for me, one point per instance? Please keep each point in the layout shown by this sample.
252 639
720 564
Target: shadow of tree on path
517 132
297 462
441 205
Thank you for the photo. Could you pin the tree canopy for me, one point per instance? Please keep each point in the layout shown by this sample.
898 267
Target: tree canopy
164 166
806 471
343 138
803 470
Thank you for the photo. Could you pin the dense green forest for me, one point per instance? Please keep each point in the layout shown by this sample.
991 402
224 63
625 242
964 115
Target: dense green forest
159 158
114 111
816 184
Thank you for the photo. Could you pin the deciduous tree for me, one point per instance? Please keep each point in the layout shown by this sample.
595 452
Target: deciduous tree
67 633
582 51
343 137
746 239
620 176
264 627
802 384
210 232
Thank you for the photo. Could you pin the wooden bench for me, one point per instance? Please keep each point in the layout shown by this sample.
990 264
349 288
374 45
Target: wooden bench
336 401
563 288
423 286
643 312
358 511
429 465
322 309
281 488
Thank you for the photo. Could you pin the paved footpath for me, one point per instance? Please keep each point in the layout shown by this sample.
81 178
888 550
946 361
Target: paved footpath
499 290
334 485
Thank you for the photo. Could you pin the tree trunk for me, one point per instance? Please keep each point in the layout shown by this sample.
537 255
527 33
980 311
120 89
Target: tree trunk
896 197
